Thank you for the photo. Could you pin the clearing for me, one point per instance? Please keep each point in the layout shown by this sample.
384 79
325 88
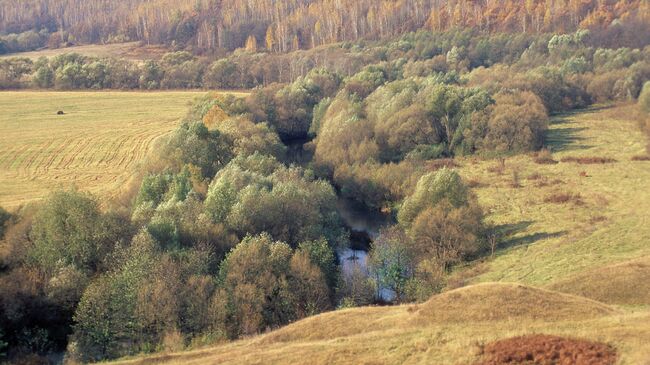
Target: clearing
132 51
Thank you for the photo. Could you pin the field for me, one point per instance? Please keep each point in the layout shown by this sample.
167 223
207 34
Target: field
605 220
574 238
129 51
95 145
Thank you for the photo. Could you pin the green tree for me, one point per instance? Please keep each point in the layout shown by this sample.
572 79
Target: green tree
106 322
255 286
44 75
391 261
67 231
431 189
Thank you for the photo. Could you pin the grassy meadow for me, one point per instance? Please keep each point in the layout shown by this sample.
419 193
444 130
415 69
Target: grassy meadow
95 145
575 243
605 220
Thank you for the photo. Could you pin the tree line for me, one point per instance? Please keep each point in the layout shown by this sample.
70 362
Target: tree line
458 52
281 26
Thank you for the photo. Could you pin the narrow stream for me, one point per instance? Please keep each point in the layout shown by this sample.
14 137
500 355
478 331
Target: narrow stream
364 223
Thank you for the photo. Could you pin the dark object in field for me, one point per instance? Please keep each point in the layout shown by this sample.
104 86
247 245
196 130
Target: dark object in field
588 160
641 158
60 112
547 349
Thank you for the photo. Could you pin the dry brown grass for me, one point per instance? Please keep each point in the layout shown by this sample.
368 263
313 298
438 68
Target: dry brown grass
640 158
545 349
507 302
444 330
437 164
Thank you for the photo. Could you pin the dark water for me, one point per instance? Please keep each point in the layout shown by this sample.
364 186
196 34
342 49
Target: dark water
297 152
361 219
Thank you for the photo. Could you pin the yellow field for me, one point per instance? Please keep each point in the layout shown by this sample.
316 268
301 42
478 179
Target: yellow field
94 146
596 245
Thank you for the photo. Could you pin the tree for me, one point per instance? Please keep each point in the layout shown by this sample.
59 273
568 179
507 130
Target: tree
307 283
391 261
254 282
267 197
447 234
431 189
508 131
356 288
67 230
110 320
251 44
192 143
44 75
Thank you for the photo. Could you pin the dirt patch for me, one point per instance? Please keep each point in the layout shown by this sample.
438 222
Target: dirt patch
547 350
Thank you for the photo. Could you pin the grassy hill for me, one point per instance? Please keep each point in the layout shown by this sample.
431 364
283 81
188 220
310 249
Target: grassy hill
95 145
428 334
580 229
569 217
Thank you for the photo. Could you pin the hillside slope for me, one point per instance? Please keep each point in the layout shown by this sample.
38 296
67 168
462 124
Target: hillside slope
595 244
433 332
565 218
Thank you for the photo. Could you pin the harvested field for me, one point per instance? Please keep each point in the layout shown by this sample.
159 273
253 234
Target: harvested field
95 145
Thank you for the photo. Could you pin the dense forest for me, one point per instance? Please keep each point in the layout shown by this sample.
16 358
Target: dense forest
281 26
224 232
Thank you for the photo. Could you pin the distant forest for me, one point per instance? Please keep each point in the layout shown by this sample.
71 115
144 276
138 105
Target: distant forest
280 26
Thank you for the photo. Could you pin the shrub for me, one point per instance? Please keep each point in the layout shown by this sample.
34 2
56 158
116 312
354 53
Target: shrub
431 189
391 261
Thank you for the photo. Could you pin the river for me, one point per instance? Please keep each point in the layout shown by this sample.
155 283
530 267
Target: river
364 223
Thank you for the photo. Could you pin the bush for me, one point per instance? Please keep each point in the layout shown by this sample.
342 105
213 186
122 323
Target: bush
70 230
431 189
